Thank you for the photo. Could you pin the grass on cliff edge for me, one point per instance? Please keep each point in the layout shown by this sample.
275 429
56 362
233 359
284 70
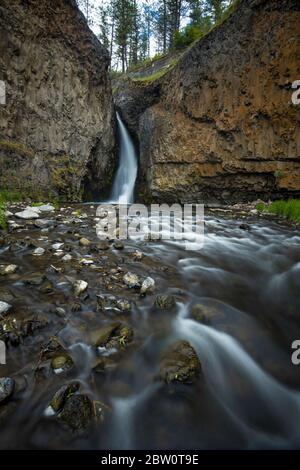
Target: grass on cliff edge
289 209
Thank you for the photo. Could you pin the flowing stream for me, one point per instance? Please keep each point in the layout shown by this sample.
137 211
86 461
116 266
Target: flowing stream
247 281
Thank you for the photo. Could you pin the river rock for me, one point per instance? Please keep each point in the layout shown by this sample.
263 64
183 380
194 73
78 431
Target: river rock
57 246
79 287
148 285
86 261
101 336
205 314
45 208
39 251
112 336
77 412
8 269
4 308
164 302
66 258
27 214
103 245
64 393
76 306
62 363
131 280
46 287
43 223
180 363
7 386
118 245
84 242
34 279
138 255
110 302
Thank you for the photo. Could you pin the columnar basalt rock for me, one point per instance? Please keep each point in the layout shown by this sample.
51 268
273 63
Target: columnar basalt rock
57 127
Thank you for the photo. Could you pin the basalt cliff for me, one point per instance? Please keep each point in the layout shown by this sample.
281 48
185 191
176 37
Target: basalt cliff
220 124
57 126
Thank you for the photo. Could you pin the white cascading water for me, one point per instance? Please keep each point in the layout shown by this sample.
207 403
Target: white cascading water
123 187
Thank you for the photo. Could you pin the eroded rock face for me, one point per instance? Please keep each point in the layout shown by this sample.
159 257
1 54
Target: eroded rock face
225 127
57 127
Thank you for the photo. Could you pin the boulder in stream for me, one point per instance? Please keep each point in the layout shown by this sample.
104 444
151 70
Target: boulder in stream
77 412
7 386
180 363
164 302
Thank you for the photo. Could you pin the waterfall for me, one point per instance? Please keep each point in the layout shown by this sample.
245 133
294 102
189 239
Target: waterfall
123 187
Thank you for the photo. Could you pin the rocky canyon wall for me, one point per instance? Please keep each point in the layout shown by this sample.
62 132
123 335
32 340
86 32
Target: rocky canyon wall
221 125
57 127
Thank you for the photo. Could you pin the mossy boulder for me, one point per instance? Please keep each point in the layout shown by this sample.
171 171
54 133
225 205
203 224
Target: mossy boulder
180 363
63 394
164 302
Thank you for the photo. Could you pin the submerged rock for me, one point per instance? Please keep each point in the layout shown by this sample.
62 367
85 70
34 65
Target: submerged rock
164 302
84 242
180 363
39 251
77 412
44 223
64 393
8 269
4 308
62 363
34 279
131 280
114 335
46 287
138 255
110 302
66 258
205 314
101 336
118 245
103 245
7 386
148 285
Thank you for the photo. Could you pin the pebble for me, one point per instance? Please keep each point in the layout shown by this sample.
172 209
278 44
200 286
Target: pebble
39 251
7 386
79 287
138 255
27 214
84 242
67 257
8 269
131 280
57 246
4 307
147 286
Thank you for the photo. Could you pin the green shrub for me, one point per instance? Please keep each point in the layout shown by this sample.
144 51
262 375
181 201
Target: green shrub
289 209
3 221
186 36
10 196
